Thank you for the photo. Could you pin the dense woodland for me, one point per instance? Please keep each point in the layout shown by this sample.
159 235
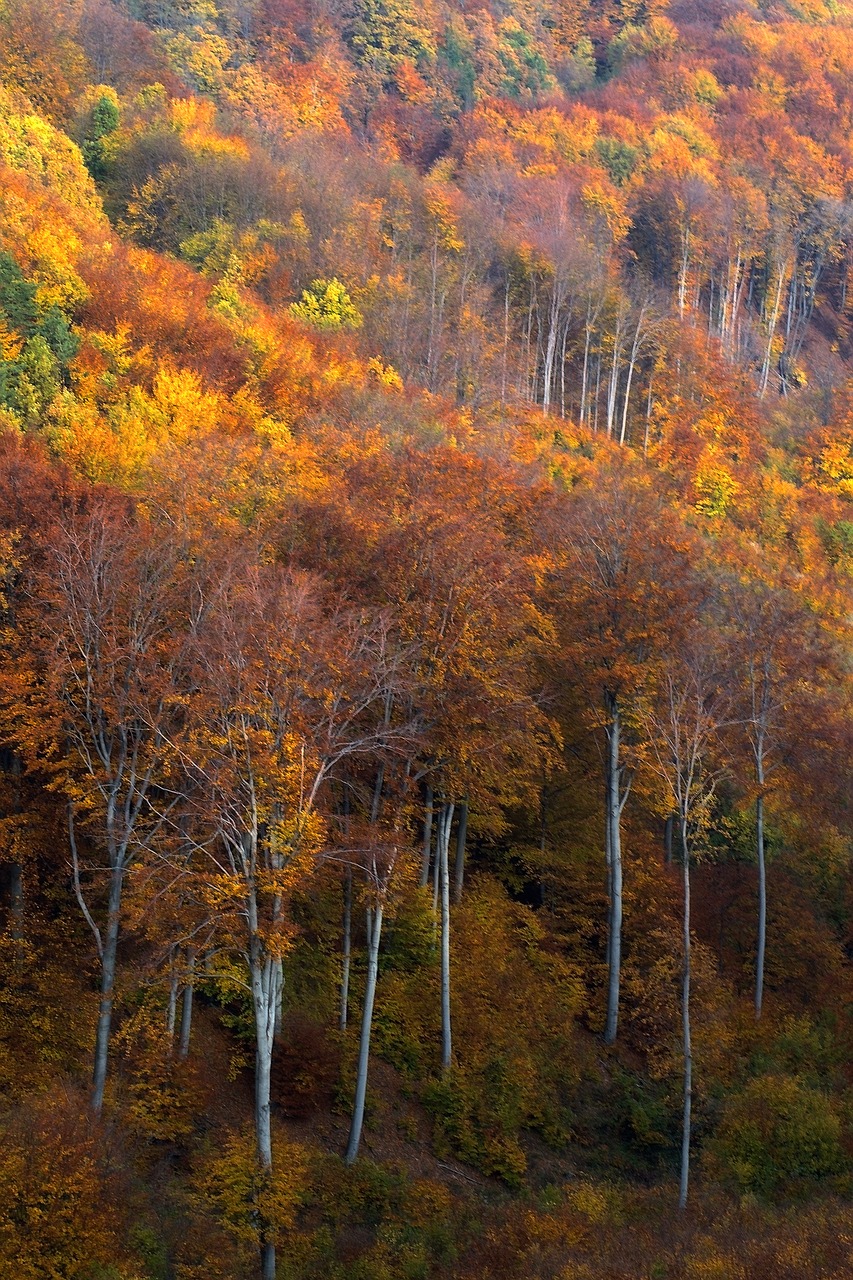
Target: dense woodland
426 537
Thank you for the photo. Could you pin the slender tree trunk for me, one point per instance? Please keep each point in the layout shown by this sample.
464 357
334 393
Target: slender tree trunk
264 981
762 893
444 885
685 1023
772 322
347 958
667 838
108 973
427 844
374 932
551 348
461 836
614 809
174 983
187 1007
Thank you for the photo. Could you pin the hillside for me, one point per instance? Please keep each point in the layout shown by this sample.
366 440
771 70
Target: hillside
426 537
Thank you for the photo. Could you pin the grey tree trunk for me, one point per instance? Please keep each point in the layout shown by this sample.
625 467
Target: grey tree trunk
374 932
614 811
108 972
762 893
444 889
172 1007
347 956
427 844
685 1025
461 836
667 838
265 976
187 1008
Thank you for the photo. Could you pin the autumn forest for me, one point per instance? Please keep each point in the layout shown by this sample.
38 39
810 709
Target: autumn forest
426 571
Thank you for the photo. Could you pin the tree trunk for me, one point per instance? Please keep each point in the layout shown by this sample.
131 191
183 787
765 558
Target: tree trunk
264 976
614 807
762 894
685 1023
667 838
461 836
174 982
427 844
347 958
374 931
444 886
187 1008
108 972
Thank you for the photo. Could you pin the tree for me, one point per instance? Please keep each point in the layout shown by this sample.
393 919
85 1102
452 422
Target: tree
283 695
780 653
620 589
100 703
682 725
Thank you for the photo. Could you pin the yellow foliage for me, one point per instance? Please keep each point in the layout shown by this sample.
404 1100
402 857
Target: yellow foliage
714 484
231 1187
32 145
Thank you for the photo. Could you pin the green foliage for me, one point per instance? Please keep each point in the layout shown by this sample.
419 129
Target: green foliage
775 1132
619 158
104 120
457 50
326 305
36 379
525 71
385 33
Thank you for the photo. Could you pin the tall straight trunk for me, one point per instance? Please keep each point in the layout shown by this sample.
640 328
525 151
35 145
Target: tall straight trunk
108 973
436 866
772 322
762 891
374 932
587 343
648 425
667 838
551 347
187 1007
685 1026
264 975
614 811
174 984
461 836
632 364
427 842
683 270
444 885
347 957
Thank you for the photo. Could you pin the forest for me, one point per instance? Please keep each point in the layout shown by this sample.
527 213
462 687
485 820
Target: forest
426 573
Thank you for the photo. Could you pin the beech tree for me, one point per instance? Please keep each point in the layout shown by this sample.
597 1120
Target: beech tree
101 706
682 725
621 587
283 689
